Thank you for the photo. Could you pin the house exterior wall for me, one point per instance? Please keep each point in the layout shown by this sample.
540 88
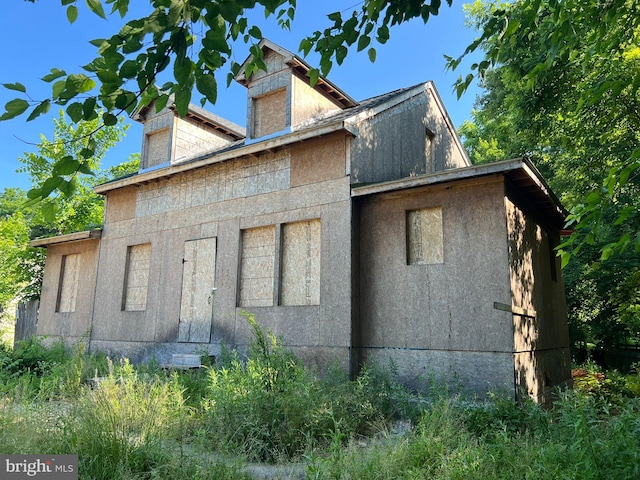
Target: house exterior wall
68 320
308 103
409 139
438 318
541 338
193 139
221 201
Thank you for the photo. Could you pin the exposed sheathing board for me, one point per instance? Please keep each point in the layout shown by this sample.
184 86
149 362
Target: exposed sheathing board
157 146
541 341
308 103
193 139
424 236
408 139
257 268
120 205
318 160
77 301
301 263
217 183
269 113
69 273
137 277
198 294
444 306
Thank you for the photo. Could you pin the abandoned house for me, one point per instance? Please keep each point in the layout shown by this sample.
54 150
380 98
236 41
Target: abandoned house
357 231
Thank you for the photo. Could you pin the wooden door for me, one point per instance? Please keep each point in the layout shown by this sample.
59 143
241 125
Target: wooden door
198 290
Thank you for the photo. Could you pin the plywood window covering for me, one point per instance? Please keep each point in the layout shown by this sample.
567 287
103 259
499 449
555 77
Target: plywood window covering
257 267
425 244
269 113
300 281
156 148
137 277
68 287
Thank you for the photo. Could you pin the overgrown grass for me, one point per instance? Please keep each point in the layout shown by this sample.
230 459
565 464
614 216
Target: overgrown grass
143 422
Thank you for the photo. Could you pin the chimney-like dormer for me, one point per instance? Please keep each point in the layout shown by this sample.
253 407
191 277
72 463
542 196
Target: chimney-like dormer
282 98
169 139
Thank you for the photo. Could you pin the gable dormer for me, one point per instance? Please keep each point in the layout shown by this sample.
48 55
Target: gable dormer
169 139
282 98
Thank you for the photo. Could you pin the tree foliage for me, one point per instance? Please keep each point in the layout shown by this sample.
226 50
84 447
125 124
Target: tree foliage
561 55
22 220
578 119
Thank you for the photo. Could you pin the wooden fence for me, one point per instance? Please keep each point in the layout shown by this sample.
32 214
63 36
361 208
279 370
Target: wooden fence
26 320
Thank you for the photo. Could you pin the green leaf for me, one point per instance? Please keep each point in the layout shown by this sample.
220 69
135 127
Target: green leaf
96 7
15 86
89 108
55 73
207 85
49 185
109 119
48 210
58 88
13 108
75 112
372 54
363 42
383 34
72 13
161 102
66 166
85 167
42 108
182 99
67 187
314 76
255 33
129 69
34 194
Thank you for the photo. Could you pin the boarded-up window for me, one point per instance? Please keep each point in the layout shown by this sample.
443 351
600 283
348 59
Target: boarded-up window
257 267
425 243
68 287
156 148
269 113
137 277
300 282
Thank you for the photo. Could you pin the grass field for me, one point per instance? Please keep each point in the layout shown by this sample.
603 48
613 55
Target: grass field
143 422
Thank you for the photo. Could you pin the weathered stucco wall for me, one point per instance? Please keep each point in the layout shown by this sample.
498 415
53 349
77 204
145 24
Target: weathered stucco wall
222 201
541 338
438 316
411 138
66 304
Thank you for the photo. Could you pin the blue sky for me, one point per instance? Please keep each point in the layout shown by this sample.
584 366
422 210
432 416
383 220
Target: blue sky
37 37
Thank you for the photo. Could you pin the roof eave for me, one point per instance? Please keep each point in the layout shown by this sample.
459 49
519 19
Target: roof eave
68 238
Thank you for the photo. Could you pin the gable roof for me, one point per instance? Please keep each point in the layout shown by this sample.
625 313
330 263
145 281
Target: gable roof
199 115
341 120
301 69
